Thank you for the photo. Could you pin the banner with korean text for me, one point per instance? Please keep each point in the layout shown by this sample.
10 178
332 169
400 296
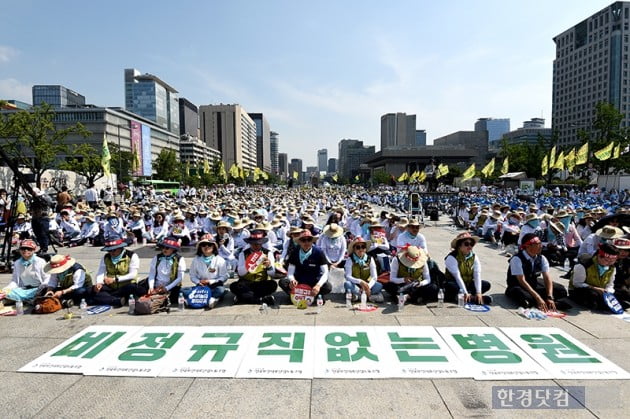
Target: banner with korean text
304 352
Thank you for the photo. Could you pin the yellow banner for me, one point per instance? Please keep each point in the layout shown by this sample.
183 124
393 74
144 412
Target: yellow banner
506 166
544 166
469 173
559 161
569 160
552 157
488 169
605 153
582 155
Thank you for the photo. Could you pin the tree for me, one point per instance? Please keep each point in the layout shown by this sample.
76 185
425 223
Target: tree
120 162
380 177
166 166
607 128
35 141
85 160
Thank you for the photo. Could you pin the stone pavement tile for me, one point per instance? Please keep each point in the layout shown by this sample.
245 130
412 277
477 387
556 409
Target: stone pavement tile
23 395
468 398
17 352
512 319
119 397
615 350
246 398
376 398
605 398
41 326
207 319
600 324
442 321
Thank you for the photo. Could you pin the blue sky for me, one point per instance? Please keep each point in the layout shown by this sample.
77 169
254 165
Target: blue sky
320 71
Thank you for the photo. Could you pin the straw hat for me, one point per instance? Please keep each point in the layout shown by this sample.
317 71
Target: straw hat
609 232
257 237
207 238
59 264
413 222
358 240
114 244
530 217
224 224
413 257
403 222
622 244
461 237
333 230
294 230
557 227
170 243
496 215
29 243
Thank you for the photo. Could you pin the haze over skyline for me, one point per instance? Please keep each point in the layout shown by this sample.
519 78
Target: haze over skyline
320 72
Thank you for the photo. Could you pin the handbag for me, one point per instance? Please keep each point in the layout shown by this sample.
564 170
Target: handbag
152 303
45 305
199 297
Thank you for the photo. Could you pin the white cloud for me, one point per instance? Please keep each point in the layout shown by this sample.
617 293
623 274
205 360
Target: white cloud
7 53
13 89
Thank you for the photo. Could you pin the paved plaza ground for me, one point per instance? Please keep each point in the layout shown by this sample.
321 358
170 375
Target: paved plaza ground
24 338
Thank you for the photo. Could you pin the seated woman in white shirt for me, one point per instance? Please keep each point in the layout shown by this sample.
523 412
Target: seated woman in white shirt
208 269
463 272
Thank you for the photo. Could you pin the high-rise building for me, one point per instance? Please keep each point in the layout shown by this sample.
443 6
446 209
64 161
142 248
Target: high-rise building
295 166
530 133
495 127
421 137
57 96
322 159
229 129
283 164
263 141
332 165
397 129
591 66
274 142
152 98
188 118
351 154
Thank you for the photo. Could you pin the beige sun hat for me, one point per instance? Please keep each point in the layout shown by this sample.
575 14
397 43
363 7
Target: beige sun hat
333 230
413 257
59 264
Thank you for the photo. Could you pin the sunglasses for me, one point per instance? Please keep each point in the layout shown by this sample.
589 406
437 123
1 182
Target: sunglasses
468 243
26 248
205 245
359 247
306 240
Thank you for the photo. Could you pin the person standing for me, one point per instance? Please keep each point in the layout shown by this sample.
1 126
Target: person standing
91 196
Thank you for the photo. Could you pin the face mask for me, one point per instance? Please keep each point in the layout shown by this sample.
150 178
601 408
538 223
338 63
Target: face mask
565 222
513 221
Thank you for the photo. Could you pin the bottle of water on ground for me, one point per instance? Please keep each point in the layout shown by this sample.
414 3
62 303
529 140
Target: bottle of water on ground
132 305
320 304
83 306
440 302
19 307
349 299
401 301
181 302
460 299
363 300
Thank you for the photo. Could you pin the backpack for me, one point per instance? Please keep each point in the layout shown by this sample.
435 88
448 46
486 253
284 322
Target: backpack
45 305
151 304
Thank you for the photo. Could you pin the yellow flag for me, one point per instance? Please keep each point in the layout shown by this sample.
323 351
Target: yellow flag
616 152
552 157
504 169
422 177
582 155
335 177
469 173
234 171
414 176
569 160
559 161
265 175
442 170
488 169
222 173
105 158
402 177
356 178
605 153
544 167
295 175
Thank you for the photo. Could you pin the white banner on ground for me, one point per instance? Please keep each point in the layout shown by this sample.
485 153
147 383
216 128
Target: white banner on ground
279 352
82 350
146 354
304 352
212 351
563 356
418 352
490 355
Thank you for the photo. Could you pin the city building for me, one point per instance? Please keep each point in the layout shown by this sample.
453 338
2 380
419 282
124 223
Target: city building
531 132
127 130
351 154
495 127
229 129
477 141
57 96
591 66
322 160
332 165
152 98
421 137
283 164
188 118
263 141
397 129
274 142
13 104
296 166
312 172
195 152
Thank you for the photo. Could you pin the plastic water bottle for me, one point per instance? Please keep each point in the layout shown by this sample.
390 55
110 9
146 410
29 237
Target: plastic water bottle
401 301
348 299
363 300
320 304
19 307
460 299
181 302
83 306
264 308
132 305
440 303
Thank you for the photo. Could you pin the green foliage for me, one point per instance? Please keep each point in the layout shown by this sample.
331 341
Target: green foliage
85 160
167 166
380 177
526 157
120 163
607 128
35 141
